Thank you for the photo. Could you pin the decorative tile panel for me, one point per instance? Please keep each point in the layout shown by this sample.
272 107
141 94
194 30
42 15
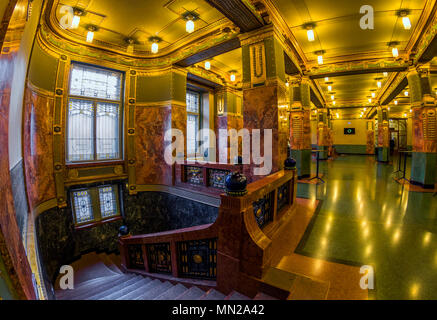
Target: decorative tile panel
194 175
159 256
135 253
263 210
217 177
198 258
283 195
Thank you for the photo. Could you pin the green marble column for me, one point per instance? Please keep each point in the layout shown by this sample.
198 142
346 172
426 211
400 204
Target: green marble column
300 131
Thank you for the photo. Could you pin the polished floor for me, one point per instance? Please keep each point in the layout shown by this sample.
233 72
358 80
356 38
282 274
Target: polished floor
365 218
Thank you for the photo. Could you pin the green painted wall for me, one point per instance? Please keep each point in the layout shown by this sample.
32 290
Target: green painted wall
169 86
42 69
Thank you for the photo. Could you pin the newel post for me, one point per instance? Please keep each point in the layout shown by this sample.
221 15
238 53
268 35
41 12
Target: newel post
123 233
230 232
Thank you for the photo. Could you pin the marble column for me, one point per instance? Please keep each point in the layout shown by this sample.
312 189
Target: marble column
323 133
300 129
383 149
423 103
265 95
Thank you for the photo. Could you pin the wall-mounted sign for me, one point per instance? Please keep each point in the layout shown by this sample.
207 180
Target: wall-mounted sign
349 130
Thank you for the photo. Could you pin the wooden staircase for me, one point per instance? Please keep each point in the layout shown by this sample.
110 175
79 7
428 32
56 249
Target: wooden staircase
98 277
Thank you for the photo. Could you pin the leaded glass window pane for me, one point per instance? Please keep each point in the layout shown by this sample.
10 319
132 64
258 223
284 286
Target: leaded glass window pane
95 83
94 122
80 130
107 133
192 129
193 102
108 204
83 206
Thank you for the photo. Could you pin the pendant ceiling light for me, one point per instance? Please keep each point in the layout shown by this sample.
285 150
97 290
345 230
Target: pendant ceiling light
394 48
396 102
190 17
309 27
329 88
207 65
373 94
76 18
189 26
405 19
320 54
233 78
90 34
155 40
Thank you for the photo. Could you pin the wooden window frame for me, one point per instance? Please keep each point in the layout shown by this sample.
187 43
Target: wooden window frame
199 120
95 101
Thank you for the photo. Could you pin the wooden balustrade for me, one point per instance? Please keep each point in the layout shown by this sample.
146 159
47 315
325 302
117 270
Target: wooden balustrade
235 250
204 177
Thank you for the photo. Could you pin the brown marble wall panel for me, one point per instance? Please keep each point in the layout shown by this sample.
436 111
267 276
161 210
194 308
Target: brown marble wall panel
151 125
227 122
11 249
424 142
261 111
38 147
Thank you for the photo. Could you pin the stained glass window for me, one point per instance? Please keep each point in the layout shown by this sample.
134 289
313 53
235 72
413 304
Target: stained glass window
193 121
94 114
93 82
95 204
108 202
83 208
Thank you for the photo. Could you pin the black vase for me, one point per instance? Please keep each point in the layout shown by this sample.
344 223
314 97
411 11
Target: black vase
236 184
123 231
289 164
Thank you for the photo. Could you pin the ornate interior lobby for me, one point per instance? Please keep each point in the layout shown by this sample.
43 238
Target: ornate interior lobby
218 150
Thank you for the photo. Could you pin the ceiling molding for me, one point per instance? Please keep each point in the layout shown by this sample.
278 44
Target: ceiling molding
209 36
358 67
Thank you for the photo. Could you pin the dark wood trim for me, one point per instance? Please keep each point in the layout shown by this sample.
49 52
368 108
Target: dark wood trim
98 223
95 164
